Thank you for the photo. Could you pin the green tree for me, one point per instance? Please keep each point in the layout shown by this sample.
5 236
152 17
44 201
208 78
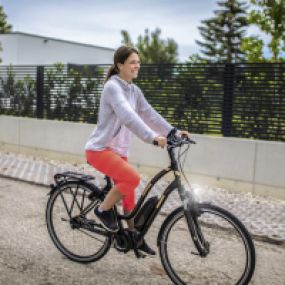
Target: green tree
17 97
222 34
126 38
269 16
252 48
4 26
72 93
152 48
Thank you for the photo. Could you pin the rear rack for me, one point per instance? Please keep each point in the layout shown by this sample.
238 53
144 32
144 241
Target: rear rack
69 175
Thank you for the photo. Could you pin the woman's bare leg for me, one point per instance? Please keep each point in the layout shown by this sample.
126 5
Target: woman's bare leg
130 222
111 199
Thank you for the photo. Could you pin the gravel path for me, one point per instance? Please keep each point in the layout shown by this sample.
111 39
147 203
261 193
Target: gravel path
27 255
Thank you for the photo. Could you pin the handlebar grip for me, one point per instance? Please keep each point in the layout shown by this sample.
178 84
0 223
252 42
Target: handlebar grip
183 136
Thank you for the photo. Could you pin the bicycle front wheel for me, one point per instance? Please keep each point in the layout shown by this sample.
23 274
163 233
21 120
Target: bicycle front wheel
71 222
231 258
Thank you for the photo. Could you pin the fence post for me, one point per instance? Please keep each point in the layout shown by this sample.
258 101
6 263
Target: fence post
40 92
227 111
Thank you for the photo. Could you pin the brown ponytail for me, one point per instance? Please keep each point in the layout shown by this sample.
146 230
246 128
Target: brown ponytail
112 71
120 56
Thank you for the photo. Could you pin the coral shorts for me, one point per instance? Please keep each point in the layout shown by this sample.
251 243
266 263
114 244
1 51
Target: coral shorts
125 177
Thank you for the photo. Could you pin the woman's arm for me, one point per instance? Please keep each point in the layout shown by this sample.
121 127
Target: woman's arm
151 117
127 116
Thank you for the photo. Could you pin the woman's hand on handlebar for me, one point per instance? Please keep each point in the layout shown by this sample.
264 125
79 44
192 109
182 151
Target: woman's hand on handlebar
160 141
183 134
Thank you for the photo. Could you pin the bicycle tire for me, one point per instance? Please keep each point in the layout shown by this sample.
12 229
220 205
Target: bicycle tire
62 238
224 236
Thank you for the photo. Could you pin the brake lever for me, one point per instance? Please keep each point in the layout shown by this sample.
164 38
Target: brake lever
174 140
184 136
191 141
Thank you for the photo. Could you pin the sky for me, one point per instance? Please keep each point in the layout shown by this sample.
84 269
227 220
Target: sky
99 22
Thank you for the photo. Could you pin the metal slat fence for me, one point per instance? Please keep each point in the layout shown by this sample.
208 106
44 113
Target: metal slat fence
240 100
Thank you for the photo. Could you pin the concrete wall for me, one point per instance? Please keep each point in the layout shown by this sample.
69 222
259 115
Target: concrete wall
235 164
26 49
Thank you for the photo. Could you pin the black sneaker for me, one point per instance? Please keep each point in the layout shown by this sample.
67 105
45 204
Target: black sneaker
145 248
107 219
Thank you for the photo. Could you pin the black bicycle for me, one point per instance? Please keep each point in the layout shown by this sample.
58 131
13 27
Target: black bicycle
199 243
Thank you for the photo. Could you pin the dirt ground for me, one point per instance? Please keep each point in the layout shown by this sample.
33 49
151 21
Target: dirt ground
27 255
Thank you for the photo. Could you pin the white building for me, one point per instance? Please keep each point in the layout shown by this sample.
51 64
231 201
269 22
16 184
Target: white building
27 49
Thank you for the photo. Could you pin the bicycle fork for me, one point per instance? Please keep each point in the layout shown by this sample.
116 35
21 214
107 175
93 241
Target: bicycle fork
192 212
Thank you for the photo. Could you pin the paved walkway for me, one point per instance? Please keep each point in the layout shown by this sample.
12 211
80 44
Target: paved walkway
264 217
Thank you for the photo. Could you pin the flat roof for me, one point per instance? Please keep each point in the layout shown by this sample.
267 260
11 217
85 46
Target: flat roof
56 39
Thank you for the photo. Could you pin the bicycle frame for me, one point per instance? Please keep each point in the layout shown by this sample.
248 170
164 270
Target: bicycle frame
191 210
173 167
145 193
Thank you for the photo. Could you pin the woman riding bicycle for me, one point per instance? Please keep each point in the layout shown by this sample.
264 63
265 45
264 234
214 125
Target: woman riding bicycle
123 110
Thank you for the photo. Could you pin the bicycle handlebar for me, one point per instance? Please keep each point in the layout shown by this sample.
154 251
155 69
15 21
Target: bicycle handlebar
179 141
175 141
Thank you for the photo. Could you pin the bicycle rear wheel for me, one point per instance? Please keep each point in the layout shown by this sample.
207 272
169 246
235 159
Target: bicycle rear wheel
231 259
71 223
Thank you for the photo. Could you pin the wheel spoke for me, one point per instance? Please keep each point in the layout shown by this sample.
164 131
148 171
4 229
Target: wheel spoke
82 201
65 205
71 224
74 200
91 236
